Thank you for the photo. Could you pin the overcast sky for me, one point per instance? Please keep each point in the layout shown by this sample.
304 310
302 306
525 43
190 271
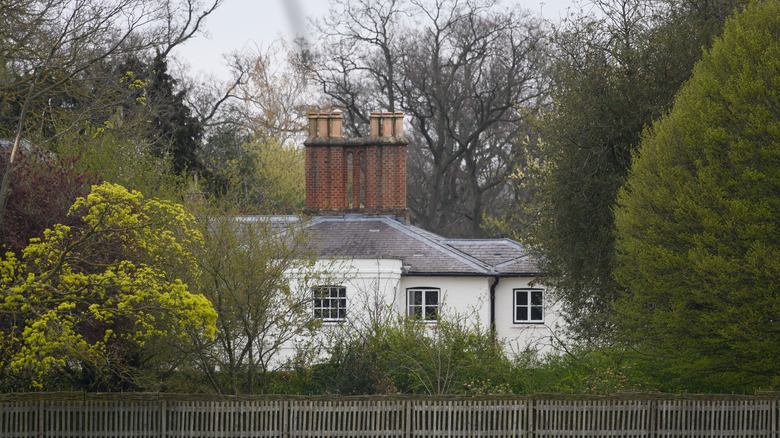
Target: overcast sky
237 24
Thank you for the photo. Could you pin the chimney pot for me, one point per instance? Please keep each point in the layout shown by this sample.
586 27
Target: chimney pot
335 124
387 125
399 124
312 125
374 119
322 124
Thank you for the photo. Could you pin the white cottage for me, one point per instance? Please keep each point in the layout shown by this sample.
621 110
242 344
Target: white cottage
356 200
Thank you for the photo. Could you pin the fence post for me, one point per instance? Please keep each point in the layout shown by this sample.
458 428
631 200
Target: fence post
408 420
84 415
653 415
163 419
40 419
285 418
529 409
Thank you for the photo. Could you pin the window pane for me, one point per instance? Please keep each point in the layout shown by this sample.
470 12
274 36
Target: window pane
522 298
536 298
522 313
536 313
423 303
330 302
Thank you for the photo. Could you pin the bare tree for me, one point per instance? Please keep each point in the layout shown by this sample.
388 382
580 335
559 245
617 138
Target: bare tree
469 74
253 140
273 101
259 274
47 45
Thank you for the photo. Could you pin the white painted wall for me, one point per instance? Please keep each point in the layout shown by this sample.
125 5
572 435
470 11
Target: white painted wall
519 337
372 289
465 297
376 294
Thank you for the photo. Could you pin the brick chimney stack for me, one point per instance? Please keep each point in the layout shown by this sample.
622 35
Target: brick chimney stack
356 175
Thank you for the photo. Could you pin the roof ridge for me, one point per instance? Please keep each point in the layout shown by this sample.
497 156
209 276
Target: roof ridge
485 239
512 260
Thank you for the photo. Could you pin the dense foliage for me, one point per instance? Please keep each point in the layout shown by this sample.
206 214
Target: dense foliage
616 72
259 175
95 302
409 357
697 224
457 357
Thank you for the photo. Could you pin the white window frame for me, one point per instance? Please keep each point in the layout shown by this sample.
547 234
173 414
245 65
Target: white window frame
421 311
326 303
529 306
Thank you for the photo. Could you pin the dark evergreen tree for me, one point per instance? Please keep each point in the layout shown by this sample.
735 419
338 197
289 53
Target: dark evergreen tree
176 131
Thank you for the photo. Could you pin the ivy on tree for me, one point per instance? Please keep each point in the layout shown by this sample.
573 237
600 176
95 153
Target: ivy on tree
170 128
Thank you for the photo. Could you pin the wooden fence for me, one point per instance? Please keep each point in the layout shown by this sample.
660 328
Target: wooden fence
170 415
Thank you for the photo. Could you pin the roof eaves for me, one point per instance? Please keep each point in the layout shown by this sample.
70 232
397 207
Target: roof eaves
453 274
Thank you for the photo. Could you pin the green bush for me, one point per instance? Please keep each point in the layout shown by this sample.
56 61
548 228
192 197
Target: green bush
411 357
583 370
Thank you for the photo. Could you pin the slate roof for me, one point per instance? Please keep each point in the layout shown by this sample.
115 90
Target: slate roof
421 252
505 255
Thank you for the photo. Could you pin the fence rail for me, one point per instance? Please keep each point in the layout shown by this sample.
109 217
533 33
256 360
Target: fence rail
66 415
